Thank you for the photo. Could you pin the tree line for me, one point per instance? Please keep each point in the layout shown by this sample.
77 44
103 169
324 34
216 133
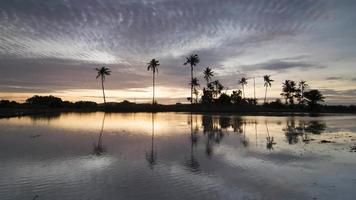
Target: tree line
212 92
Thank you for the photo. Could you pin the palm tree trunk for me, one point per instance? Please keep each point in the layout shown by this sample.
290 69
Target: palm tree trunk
153 83
243 90
102 86
265 95
191 84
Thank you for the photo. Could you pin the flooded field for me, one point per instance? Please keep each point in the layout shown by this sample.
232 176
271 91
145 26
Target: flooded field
127 156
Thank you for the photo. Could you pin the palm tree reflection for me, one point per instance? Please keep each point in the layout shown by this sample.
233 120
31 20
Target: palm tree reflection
270 140
99 148
151 156
193 163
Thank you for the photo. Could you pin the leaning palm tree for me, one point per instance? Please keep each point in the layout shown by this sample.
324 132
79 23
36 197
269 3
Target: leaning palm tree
208 74
152 66
192 60
194 83
243 82
103 72
268 83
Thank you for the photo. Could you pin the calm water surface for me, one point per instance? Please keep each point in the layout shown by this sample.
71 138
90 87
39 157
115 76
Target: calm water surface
127 156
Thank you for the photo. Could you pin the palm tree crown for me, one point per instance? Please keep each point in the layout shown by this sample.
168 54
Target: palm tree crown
103 72
268 81
192 60
153 66
208 74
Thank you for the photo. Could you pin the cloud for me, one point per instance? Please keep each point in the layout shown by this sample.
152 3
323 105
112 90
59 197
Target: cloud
281 65
333 78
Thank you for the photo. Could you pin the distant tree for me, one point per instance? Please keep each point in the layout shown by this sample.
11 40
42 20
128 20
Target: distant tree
192 60
267 83
302 86
243 82
49 101
153 66
236 97
313 97
195 83
289 91
102 73
208 74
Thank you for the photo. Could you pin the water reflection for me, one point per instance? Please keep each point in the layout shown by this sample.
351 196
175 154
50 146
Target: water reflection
192 163
99 148
151 156
295 133
199 157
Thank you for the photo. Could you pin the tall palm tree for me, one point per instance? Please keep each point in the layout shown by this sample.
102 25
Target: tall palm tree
208 74
268 83
243 82
302 86
103 72
192 60
153 66
194 83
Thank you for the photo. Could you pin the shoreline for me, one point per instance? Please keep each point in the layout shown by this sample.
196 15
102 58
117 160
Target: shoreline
20 112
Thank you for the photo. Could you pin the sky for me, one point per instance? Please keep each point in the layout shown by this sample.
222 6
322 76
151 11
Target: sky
52 47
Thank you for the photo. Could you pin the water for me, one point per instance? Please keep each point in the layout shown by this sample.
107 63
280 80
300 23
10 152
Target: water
127 156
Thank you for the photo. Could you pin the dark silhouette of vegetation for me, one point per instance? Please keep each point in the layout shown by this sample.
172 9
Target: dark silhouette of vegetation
208 74
49 101
302 87
153 66
289 91
267 83
102 73
195 83
313 97
192 60
243 82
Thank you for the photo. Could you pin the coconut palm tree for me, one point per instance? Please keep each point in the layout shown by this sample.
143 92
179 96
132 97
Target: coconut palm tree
153 66
192 60
243 82
103 72
302 86
268 83
208 74
289 91
195 83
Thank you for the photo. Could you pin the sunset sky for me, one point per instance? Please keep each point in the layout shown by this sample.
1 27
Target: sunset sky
53 46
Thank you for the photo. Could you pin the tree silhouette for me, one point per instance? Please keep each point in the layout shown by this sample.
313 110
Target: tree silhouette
302 86
289 91
216 87
103 72
192 60
208 74
153 66
313 97
243 82
194 83
267 83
